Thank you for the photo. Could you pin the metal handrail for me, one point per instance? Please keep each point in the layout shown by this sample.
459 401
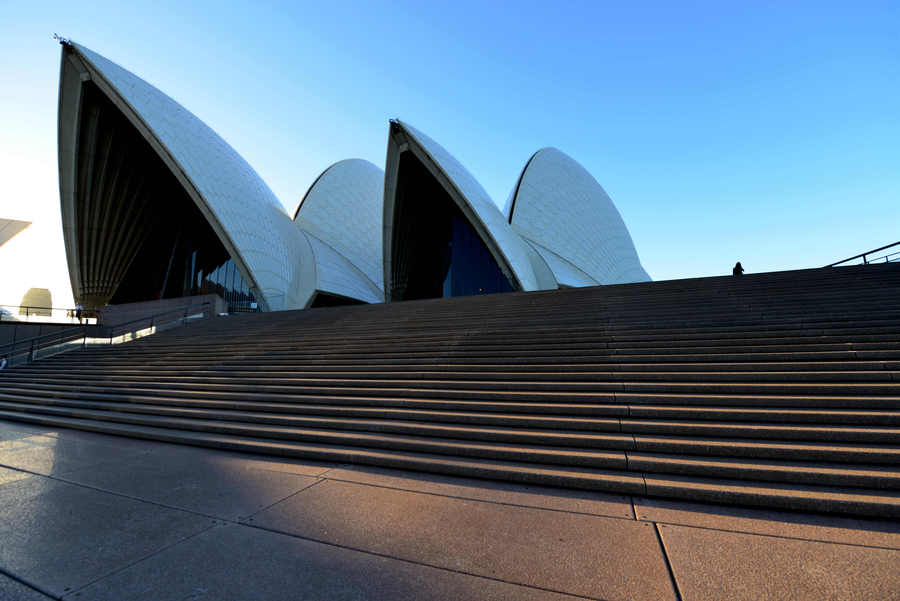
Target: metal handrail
155 317
38 343
887 257
33 313
38 307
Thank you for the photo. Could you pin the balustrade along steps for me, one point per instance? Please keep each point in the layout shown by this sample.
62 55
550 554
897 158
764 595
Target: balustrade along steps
777 389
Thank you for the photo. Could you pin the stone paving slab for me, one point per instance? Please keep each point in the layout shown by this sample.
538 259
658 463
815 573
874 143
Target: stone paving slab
275 464
14 430
599 557
57 455
809 526
238 563
12 590
482 540
11 430
27 441
61 536
9 475
711 565
165 452
496 492
207 483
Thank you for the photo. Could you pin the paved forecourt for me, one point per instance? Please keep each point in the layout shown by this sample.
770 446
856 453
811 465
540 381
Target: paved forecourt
88 516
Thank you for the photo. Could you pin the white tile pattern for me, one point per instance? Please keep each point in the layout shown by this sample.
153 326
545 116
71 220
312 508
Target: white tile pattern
564 272
260 231
564 227
337 275
344 209
561 207
510 244
11 227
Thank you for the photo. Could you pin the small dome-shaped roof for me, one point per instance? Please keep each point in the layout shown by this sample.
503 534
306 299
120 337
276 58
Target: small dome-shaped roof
344 208
558 205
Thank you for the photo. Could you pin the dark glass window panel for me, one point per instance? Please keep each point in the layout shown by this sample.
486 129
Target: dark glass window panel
323 299
140 235
435 251
229 279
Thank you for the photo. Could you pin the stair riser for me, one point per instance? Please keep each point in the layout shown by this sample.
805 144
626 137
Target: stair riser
507 429
542 413
328 370
788 474
473 378
646 484
587 391
708 447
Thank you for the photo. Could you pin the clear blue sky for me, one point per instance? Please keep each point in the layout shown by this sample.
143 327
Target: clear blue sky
762 132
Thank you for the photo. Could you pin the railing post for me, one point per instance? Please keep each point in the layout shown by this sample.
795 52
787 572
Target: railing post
31 352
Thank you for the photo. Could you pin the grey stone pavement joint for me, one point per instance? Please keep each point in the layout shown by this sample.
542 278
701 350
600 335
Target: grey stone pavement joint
703 550
13 587
243 518
776 523
790 569
665 552
75 591
407 560
459 497
587 555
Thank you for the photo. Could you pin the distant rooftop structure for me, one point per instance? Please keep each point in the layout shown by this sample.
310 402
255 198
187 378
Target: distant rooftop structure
37 301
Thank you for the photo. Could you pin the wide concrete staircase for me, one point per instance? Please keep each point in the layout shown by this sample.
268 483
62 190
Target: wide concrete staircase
778 389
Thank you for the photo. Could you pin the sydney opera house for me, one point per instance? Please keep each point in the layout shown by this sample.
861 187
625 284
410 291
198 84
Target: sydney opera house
156 205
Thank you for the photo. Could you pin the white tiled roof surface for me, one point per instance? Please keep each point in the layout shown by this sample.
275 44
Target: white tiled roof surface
250 214
509 243
564 272
335 243
337 275
561 207
11 227
344 208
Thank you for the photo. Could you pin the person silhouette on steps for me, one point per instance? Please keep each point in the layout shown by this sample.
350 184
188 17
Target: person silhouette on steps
738 269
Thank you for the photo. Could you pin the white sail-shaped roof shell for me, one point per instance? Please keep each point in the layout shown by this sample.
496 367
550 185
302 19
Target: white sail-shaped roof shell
565 273
521 264
559 227
343 209
11 227
574 224
246 216
337 275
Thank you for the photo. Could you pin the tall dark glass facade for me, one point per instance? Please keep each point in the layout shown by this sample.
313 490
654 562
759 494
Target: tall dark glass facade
140 235
435 250
183 257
